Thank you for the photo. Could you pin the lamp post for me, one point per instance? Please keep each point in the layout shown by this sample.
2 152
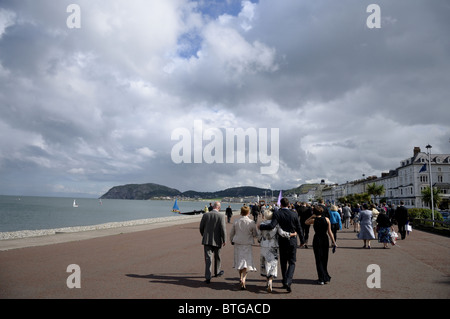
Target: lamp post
428 147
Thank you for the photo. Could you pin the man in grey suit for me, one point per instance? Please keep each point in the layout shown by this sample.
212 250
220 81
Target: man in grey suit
213 230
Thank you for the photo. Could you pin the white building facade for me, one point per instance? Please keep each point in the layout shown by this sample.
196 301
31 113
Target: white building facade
405 183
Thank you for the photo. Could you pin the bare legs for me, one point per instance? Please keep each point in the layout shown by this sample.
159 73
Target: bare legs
243 276
366 241
269 284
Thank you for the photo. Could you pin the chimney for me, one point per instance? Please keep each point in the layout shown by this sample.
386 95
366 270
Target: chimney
416 151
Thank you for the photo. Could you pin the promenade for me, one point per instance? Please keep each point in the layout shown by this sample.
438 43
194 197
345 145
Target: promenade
166 262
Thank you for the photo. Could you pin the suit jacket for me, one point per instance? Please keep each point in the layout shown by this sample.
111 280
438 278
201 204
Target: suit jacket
401 215
213 228
289 222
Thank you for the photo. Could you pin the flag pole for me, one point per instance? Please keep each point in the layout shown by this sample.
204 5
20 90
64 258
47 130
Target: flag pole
428 147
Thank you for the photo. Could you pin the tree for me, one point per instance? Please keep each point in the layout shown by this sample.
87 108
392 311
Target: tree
375 190
426 196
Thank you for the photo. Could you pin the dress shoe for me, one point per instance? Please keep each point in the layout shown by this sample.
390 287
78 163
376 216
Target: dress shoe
219 274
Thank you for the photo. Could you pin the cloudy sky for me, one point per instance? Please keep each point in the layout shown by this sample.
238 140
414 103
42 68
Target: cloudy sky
93 98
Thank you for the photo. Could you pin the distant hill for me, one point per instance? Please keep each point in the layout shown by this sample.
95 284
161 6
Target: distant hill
140 191
302 189
240 191
150 190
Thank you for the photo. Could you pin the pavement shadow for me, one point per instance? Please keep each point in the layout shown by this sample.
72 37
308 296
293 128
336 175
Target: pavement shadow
183 279
230 284
304 281
257 286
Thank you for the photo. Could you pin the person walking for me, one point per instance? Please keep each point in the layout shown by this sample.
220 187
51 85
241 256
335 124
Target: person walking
288 221
326 212
255 211
214 237
375 213
401 216
242 233
229 213
268 240
384 229
365 221
322 228
347 212
335 220
304 212
355 218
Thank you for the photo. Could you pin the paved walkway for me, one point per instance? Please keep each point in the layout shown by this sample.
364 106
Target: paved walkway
167 262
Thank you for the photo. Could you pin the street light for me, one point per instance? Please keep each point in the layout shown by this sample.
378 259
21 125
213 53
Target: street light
428 147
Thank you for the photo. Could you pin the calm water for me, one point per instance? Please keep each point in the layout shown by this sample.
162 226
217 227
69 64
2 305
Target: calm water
33 213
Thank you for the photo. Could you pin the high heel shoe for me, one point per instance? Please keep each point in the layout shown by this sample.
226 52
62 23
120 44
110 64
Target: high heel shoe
269 286
242 284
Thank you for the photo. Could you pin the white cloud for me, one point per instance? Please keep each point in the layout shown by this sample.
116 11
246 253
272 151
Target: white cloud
146 152
6 19
98 104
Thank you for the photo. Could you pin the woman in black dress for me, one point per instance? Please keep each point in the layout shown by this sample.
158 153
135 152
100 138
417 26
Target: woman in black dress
321 245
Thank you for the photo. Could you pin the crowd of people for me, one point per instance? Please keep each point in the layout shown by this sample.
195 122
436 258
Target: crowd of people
285 228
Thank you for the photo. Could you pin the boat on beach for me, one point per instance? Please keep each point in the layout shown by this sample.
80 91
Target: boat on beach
195 212
176 209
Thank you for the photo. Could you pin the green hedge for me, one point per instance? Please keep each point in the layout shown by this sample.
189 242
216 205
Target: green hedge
424 213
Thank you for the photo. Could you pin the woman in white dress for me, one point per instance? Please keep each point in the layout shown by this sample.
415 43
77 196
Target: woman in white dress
242 233
269 249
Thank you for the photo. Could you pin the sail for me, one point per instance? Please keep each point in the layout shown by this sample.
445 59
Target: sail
175 208
75 203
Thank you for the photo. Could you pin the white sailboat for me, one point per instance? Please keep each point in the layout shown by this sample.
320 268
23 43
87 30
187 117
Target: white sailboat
75 203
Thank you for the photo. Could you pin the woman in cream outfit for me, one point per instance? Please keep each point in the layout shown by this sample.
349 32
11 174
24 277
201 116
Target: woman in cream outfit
242 233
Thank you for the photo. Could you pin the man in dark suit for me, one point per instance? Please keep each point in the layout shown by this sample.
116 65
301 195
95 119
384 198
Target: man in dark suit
214 237
401 216
289 222
326 212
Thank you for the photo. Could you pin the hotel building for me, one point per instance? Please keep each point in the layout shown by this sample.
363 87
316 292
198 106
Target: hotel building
405 183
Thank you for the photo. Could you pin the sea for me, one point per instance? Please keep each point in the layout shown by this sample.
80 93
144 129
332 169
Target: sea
18 213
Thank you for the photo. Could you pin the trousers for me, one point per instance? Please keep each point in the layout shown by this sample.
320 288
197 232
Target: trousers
211 253
288 257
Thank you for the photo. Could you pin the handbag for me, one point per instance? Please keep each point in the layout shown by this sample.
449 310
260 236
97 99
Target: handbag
394 237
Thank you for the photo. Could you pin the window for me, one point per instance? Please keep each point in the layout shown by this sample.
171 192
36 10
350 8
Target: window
424 178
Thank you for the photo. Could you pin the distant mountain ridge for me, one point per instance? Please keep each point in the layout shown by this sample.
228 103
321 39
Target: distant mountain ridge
151 190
